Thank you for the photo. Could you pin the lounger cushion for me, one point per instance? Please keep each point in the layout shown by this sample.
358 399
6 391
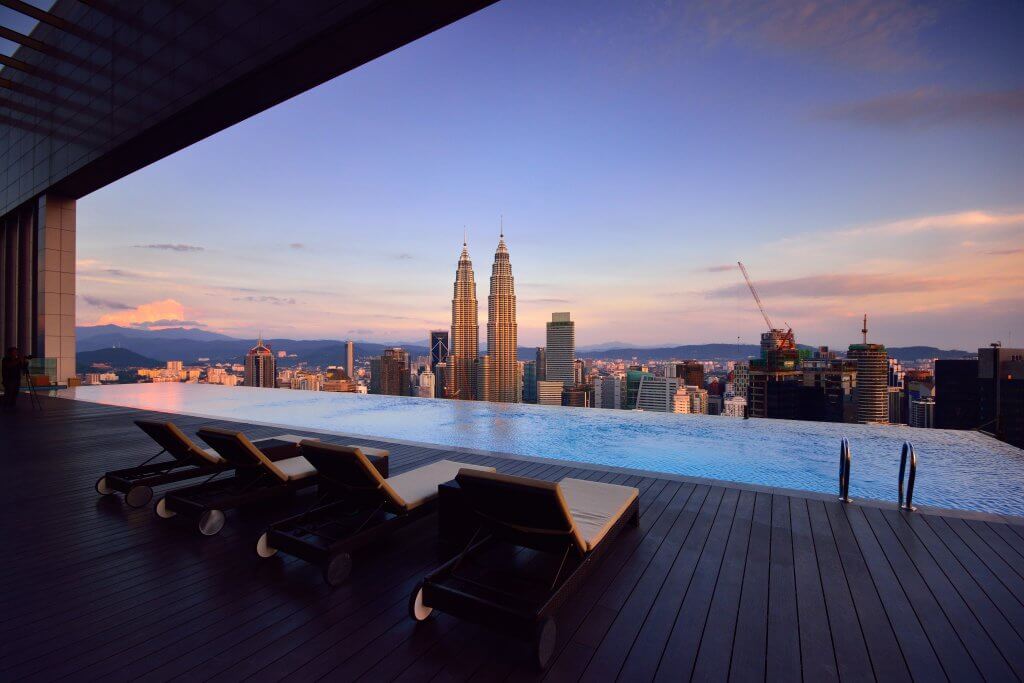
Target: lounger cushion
295 468
596 506
418 486
211 455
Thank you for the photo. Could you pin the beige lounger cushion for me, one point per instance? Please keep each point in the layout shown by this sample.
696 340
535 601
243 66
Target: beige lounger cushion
416 487
595 506
295 468
208 454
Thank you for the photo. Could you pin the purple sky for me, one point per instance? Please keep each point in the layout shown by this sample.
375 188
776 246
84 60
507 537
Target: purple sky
857 156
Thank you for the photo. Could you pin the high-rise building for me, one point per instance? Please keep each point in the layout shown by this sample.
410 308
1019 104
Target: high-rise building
350 359
501 383
922 412
579 372
549 392
560 358
634 376
465 339
658 394
689 372
530 381
438 348
441 380
608 392
389 374
578 396
872 393
827 391
1001 393
260 366
425 383
542 363
734 406
957 394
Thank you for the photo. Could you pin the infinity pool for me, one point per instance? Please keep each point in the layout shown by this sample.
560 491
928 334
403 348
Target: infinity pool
956 469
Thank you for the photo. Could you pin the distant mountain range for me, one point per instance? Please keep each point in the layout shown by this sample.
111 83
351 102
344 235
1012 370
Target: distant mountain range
116 359
190 344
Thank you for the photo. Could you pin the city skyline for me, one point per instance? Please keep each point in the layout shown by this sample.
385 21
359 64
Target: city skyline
847 179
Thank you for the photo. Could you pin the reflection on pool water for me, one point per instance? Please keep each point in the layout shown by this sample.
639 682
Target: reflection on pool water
955 469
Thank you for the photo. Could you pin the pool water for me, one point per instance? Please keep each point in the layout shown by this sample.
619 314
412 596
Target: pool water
956 469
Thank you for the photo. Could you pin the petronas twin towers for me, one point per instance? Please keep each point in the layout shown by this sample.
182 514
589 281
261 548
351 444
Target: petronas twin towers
494 376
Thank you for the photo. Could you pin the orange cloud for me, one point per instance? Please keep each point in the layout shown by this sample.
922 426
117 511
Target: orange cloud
167 312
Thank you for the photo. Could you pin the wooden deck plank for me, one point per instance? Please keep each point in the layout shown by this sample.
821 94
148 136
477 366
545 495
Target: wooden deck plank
817 655
748 652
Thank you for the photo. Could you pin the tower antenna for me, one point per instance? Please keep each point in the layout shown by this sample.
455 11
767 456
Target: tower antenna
502 235
465 235
864 330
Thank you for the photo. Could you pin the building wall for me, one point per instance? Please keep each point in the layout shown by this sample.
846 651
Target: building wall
560 351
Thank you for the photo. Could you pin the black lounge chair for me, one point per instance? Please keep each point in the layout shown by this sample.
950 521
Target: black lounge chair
188 462
357 504
571 524
269 471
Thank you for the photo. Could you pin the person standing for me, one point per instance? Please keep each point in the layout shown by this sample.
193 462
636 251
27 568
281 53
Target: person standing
13 366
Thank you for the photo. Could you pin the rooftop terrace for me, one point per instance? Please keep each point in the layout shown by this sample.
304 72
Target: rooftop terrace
718 582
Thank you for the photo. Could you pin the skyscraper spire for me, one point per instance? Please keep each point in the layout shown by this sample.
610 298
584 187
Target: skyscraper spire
864 330
502 236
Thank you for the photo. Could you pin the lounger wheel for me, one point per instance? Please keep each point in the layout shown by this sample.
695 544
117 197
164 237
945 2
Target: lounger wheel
263 548
338 569
211 522
544 642
417 610
138 496
162 511
103 488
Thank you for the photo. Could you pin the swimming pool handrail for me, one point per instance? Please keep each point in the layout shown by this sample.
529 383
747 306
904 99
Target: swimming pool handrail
844 471
908 449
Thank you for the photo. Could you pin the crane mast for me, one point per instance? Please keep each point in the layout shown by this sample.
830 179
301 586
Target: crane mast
753 291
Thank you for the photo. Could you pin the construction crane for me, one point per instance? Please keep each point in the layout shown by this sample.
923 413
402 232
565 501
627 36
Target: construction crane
786 340
753 291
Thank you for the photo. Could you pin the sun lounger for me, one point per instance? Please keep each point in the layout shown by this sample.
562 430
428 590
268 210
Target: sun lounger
263 471
188 461
569 525
357 506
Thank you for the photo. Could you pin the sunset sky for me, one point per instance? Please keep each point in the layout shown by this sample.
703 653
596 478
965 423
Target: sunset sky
857 156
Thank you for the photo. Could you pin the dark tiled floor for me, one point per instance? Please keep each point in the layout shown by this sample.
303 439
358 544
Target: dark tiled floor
717 583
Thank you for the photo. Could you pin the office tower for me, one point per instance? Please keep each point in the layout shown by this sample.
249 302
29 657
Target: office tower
872 393
530 381
425 383
465 339
542 363
922 413
390 373
634 376
438 348
260 366
1001 393
658 394
549 392
501 383
174 365
897 392
957 394
350 359
699 399
560 352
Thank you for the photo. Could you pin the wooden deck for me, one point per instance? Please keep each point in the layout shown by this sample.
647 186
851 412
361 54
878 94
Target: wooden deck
717 583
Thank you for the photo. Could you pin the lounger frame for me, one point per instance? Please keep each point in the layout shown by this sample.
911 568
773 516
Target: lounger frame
249 484
136 483
444 590
328 534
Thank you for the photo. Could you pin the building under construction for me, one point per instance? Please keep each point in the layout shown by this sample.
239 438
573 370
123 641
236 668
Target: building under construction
775 377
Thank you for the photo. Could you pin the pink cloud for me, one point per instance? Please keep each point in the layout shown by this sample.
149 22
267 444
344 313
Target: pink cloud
168 311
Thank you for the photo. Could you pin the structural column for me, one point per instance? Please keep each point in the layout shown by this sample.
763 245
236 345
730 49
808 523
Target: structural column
55 285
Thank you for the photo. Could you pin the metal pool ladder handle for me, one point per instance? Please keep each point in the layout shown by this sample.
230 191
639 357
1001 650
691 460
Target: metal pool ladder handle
908 448
844 471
